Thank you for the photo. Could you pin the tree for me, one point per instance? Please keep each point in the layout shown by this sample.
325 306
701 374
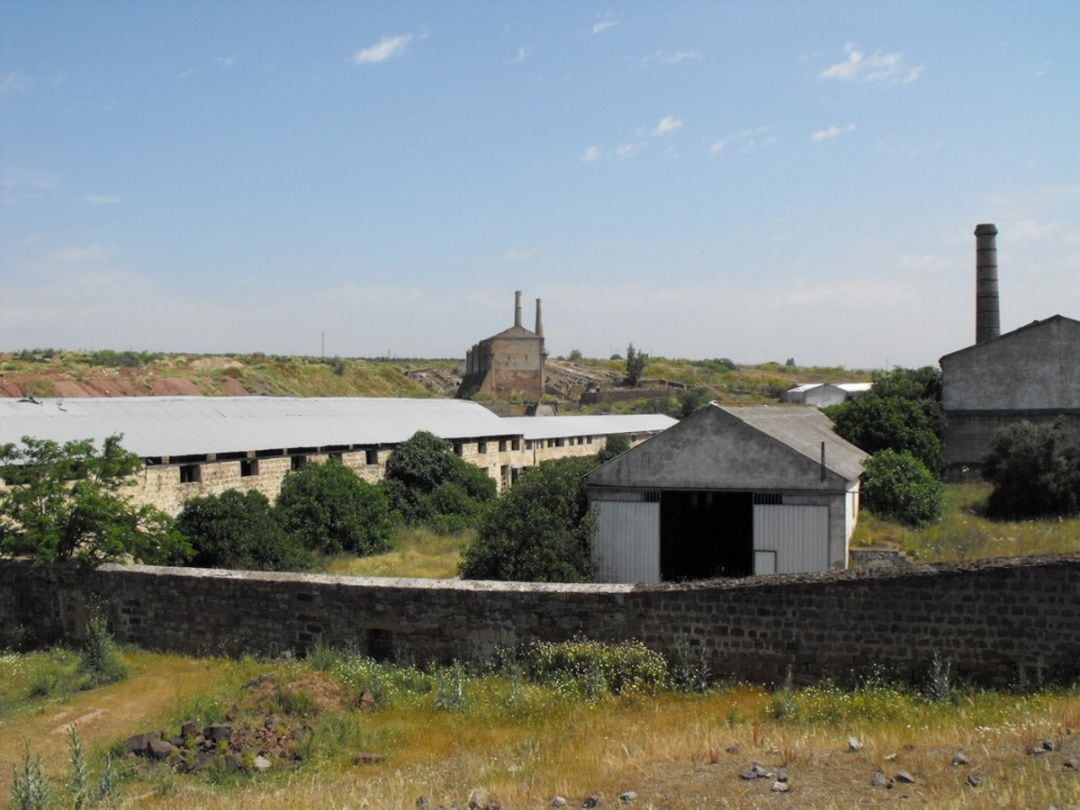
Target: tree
575 354
331 510
541 530
615 445
418 475
67 502
876 423
239 530
635 365
1035 470
920 385
898 486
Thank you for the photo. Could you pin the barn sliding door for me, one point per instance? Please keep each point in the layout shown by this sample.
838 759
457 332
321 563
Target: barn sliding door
627 544
798 536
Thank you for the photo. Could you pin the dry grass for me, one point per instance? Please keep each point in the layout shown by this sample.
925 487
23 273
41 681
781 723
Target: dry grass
420 553
963 533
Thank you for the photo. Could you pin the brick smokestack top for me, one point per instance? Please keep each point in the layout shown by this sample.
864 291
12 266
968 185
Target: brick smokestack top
539 319
517 308
987 315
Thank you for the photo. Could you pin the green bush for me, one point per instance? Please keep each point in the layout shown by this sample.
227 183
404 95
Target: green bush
595 667
874 423
239 530
898 486
1035 470
331 510
541 530
616 445
100 662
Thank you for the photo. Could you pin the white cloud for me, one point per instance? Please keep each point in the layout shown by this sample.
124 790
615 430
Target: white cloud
187 74
604 25
717 146
522 54
100 199
226 61
832 132
667 125
14 82
1031 229
384 49
888 68
592 153
520 254
626 150
77 255
18 178
665 58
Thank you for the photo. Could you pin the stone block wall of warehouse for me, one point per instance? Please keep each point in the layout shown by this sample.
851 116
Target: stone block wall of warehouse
997 621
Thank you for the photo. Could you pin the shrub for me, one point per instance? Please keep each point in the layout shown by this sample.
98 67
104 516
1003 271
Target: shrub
616 445
100 661
331 510
876 423
596 667
1035 470
539 531
898 486
239 530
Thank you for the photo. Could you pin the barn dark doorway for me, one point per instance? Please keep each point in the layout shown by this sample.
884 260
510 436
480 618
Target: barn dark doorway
706 534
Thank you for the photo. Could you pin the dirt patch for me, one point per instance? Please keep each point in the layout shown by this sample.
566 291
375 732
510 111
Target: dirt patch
266 694
233 387
81 721
174 387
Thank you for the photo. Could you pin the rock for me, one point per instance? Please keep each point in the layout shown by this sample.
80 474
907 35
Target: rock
974 779
202 761
905 777
1071 763
478 800
1047 745
761 772
732 749
261 764
190 730
422 803
780 787
781 775
878 779
853 744
558 801
160 749
960 758
215 732
629 797
747 774
592 801
140 743
367 758
889 757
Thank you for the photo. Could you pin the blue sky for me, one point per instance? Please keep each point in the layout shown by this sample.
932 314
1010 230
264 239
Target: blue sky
722 179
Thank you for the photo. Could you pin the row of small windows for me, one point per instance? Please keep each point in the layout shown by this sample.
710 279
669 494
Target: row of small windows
192 473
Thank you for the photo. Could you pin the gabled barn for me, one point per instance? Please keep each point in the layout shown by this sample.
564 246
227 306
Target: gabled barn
728 492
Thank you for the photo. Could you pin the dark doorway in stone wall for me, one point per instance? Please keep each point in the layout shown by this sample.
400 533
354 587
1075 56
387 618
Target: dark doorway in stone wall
380 644
706 534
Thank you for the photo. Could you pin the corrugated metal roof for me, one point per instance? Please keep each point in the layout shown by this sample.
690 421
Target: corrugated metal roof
552 427
181 426
803 429
855 388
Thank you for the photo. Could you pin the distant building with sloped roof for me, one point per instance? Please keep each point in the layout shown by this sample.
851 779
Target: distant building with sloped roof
509 365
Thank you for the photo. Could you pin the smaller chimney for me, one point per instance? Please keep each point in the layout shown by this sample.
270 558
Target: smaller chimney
539 320
517 308
987 314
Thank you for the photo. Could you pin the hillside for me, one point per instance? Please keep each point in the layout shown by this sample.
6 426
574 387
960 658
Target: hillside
666 383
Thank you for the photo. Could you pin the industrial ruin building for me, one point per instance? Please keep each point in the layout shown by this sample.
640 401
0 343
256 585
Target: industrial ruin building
196 446
509 365
1029 374
728 492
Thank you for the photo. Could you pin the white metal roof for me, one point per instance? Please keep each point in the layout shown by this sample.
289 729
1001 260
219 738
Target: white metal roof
553 427
181 426
854 388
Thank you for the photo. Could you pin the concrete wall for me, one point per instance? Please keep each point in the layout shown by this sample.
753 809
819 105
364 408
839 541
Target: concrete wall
993 619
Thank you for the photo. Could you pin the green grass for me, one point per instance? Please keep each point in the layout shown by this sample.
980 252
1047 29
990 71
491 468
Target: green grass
420 553
964 533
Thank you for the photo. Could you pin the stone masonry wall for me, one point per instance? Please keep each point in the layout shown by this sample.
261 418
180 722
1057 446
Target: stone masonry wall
997 621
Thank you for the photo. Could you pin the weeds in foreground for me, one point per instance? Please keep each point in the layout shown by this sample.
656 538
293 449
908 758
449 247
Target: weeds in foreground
30 788
100 662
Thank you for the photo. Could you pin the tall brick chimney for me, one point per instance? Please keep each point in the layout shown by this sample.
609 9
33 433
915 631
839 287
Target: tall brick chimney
987 314
539 320
517 308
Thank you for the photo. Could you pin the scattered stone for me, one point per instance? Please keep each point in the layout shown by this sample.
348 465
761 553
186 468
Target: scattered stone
203 760
215 732
1071 763
261 764
367 758
732 749
960 758
747 774
422 803
1047 745
592 801
478 800
781 775
974 780
780 787
853 744
905 777
889 757
558 801
140 743
878 779
629 797
190 730
761 772
160 749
